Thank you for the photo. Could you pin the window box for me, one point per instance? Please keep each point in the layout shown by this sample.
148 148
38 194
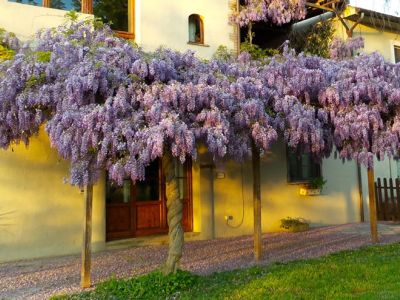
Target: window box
309 191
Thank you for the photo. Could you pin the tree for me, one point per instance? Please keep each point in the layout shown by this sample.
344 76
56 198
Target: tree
109 105
276 12
271 11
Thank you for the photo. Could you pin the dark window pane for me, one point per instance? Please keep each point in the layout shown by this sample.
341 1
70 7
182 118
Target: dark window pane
66 4
112 12
396 54
301 167
118 194
58 4
195 29
149 189
30 2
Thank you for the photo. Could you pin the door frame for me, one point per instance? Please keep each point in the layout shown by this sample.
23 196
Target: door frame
133 204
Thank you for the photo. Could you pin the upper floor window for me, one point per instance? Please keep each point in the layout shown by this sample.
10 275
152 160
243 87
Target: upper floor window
196 29
301 167
30 2
119 14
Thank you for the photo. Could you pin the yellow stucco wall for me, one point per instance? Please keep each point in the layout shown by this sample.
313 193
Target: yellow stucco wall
40 215
375 40
337 204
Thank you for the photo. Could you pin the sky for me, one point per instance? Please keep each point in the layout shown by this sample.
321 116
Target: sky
387 7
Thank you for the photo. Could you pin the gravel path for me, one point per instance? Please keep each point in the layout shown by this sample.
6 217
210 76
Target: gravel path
41 278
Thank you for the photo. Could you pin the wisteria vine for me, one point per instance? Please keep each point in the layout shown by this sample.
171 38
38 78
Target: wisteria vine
107 104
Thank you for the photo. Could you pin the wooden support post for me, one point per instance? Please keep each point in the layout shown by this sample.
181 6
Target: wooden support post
87 239
46 3
373 219
257 202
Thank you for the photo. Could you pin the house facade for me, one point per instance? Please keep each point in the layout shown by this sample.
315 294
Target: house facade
41 216
379 26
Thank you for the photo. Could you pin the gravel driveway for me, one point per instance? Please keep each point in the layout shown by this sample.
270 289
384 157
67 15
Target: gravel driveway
41 278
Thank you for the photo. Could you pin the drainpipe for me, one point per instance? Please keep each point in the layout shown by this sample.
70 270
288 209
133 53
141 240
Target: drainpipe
299 26
360 193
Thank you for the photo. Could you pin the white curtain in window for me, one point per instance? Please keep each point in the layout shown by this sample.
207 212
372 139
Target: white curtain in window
192 30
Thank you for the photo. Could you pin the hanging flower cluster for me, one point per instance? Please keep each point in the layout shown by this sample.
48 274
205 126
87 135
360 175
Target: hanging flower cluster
109 105
340 49
274 11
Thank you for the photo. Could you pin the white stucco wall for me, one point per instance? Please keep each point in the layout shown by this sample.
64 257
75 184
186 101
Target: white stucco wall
157 23
25 20
165 23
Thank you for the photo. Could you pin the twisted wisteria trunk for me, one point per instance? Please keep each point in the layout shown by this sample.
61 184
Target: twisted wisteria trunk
174 216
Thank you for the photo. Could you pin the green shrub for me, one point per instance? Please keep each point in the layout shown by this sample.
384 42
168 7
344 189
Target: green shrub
256 51
315 40
317 183
5 53
154 285
222 53
294 224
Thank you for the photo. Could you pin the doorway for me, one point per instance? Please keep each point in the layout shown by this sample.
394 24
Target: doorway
140 209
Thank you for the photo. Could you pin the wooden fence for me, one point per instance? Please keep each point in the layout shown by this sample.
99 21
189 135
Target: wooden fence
388 199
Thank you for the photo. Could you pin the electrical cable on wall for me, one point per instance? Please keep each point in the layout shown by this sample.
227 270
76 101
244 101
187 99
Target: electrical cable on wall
241 222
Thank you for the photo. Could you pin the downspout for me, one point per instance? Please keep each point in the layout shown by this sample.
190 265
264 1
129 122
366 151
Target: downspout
360 193
299 26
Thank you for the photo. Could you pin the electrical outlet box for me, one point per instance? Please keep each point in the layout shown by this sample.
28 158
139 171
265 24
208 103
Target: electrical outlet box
228 218
220 175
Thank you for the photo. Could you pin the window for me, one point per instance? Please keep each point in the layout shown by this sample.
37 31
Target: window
396 54
196 29
146 190
119 14
30 2
301 167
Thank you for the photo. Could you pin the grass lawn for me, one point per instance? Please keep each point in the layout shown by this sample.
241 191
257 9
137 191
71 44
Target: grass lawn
368 273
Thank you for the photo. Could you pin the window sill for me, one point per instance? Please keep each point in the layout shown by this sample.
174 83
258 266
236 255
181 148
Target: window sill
198 44
305 182
125 34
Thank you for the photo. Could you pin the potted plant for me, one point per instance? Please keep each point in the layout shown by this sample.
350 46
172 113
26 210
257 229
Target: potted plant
314 187
294 224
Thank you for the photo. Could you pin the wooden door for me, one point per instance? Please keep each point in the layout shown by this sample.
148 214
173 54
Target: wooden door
119 211
149 202
140 209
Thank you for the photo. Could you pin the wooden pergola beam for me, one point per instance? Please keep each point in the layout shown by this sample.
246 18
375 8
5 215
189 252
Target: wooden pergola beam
320 7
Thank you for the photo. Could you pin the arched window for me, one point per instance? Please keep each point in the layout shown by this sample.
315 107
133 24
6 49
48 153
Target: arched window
196 29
